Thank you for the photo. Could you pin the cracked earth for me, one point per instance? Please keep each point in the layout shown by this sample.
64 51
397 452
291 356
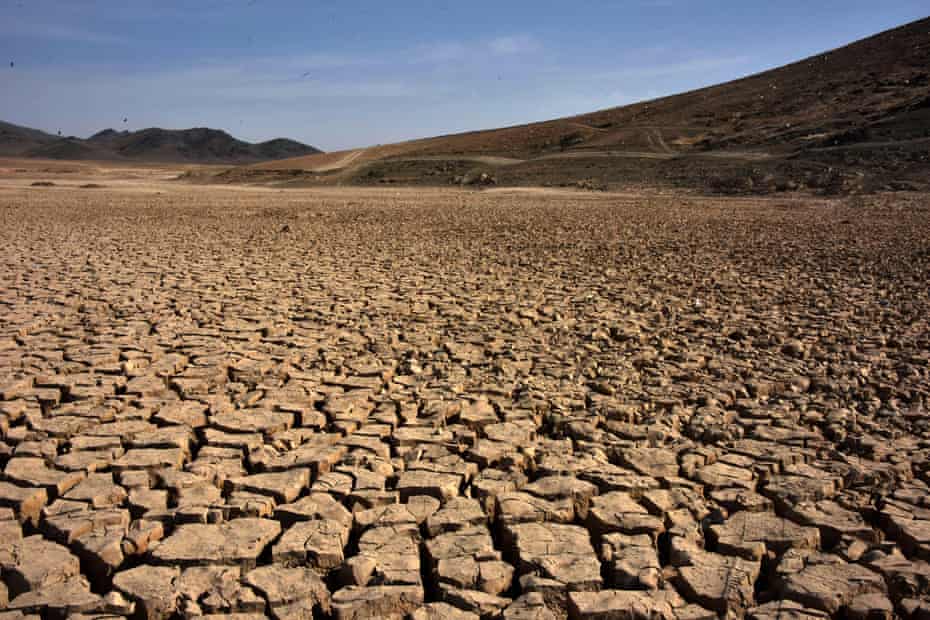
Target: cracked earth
356 403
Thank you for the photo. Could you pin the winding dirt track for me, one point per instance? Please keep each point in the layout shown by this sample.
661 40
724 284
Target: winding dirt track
345 162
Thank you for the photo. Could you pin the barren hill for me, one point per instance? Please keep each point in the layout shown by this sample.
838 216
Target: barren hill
857 112
198 145
15 139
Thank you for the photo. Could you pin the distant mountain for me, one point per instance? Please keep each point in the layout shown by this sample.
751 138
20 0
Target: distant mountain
198 145
16 140
68 148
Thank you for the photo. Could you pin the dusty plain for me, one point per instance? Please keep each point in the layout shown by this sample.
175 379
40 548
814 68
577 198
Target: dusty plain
437 403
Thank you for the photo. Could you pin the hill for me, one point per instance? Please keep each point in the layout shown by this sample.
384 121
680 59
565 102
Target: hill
16 140
850 118
198 145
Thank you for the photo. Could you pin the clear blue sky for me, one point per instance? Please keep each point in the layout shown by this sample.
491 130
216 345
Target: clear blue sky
360 72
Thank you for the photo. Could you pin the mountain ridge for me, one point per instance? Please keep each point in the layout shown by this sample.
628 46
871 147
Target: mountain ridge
153 144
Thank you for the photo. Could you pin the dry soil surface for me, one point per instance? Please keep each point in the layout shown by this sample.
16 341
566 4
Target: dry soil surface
443 404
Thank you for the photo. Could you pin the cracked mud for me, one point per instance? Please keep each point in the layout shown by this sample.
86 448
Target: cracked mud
355 404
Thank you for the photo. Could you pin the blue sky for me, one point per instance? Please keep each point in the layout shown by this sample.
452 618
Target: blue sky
360 72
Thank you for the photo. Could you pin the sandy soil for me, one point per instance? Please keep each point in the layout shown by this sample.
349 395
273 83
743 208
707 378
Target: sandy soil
438 403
